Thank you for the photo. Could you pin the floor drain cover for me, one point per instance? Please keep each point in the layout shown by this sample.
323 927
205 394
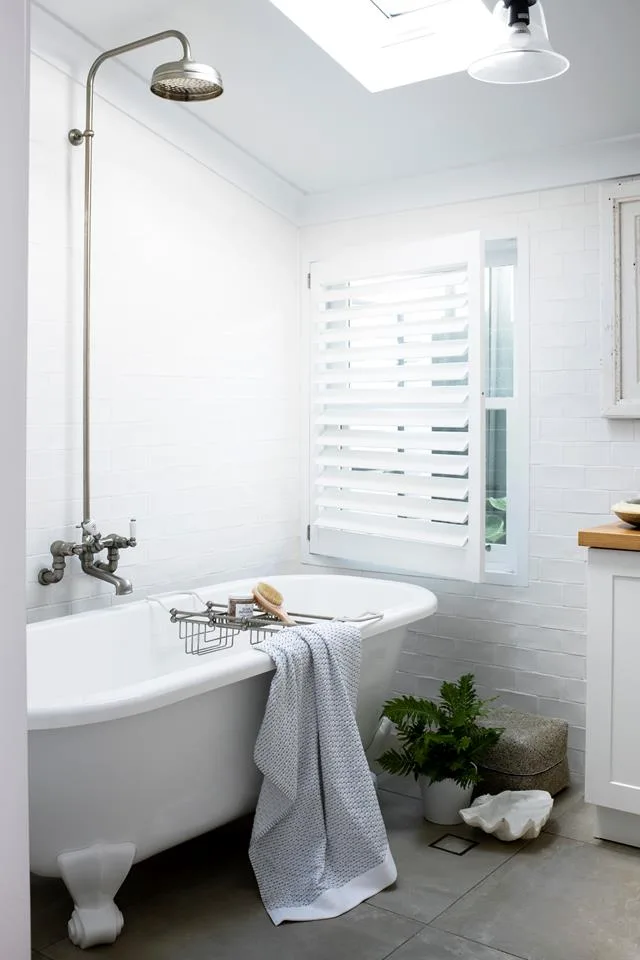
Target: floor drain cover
458 846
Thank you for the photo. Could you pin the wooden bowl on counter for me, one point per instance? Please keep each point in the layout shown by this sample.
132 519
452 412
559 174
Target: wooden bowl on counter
628 511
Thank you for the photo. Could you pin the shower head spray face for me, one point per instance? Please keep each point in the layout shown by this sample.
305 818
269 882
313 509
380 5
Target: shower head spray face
186 80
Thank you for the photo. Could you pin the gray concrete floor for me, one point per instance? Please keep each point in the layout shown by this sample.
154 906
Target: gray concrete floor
564 896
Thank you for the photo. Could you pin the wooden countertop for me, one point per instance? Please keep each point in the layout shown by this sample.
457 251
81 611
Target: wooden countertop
611 536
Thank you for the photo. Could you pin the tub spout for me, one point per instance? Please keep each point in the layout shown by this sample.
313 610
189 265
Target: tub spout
101 572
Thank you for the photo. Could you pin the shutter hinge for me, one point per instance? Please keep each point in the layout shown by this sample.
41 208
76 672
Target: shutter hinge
309 281
309 532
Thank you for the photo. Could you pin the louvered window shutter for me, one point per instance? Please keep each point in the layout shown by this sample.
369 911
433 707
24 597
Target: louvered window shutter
397 470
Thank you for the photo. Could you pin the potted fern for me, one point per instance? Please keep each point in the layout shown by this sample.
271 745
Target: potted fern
441 744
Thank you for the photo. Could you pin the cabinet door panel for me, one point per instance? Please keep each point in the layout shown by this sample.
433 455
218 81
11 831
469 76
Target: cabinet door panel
613 680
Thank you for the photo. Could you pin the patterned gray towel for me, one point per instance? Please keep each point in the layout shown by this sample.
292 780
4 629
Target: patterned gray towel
319 845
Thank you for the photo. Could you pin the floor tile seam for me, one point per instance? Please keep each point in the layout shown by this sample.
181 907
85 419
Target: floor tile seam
548 832
424 926
564 836
47 956
481 943
397 793
480 882
394 913
46 946
406 941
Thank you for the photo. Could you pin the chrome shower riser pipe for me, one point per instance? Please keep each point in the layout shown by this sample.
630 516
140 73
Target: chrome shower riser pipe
78 137
181 80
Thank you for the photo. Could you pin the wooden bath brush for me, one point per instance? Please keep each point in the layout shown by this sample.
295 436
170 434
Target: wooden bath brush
271 600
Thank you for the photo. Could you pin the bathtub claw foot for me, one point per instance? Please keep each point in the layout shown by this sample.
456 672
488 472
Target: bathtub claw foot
93 877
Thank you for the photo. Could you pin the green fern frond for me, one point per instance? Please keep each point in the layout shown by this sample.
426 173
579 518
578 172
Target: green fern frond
397 762
412 710
440 739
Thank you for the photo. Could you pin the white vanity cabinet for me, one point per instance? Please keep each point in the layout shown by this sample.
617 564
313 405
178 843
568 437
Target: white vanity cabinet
613 681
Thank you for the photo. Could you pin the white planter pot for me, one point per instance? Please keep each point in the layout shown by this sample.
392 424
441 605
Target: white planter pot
442 801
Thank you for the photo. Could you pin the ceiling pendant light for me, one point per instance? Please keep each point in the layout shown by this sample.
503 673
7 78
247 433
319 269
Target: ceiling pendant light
523 53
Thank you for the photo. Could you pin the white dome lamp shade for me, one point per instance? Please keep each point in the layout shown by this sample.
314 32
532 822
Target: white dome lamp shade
523 53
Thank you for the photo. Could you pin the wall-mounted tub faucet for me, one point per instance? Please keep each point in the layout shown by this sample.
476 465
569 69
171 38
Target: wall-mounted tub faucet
180 80
92 543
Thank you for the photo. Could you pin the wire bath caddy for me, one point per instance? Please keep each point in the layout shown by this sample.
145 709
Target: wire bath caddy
212 629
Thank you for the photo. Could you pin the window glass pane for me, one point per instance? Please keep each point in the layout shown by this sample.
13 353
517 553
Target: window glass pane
499 286
496 503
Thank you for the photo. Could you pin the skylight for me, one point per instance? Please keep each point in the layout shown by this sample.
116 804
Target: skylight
391 43
396 8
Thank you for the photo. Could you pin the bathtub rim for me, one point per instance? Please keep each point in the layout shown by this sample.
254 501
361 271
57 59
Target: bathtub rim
207 673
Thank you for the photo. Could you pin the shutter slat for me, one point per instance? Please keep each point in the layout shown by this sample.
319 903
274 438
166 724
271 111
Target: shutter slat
400 351
425 372
428 284
396 528
394 395
398 417
384 440
365 310
450 488
447 511
407 463
409 328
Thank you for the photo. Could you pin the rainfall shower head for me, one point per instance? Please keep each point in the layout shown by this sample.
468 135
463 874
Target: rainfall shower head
186 80
182 79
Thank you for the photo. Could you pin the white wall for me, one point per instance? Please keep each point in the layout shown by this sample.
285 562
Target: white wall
195 359
528 643
14 107
196 390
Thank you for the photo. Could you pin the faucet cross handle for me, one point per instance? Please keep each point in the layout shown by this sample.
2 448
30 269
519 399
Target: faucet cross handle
90 530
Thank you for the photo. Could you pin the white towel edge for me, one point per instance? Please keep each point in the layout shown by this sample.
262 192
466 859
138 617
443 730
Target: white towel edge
333 903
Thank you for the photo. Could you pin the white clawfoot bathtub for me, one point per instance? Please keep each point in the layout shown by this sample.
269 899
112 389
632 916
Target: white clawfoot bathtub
134 746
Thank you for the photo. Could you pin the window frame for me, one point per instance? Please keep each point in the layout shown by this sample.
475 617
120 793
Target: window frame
508 563
510 566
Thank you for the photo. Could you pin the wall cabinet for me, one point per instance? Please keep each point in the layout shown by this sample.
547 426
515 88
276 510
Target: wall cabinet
613 693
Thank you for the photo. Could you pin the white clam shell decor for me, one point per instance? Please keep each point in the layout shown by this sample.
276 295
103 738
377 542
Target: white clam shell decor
510 815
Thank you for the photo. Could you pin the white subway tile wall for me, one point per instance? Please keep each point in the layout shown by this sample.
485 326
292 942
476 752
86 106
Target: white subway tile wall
195 360
196 392
527 644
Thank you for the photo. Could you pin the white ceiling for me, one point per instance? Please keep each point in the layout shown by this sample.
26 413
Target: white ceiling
289 105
